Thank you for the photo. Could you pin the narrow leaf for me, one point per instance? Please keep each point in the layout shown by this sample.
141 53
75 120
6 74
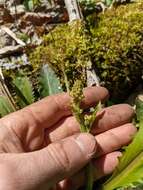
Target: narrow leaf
49 83
5 106
139 108
129 172
108 2
27 4
23 90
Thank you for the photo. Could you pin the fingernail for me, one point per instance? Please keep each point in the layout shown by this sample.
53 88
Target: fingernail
87 144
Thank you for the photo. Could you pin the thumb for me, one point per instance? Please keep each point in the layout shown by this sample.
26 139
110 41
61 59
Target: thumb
62 159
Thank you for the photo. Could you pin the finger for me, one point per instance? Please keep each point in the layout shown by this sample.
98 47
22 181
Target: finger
43 112
106 164
43 169
106 160
113 117
114 139
103 166
63 158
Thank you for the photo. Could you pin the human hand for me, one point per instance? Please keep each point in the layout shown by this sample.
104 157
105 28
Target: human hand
41 145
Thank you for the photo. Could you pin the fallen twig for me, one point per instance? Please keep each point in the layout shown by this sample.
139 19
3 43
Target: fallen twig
11 34
8 50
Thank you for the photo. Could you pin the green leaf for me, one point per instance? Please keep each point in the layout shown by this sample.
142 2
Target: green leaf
129 172
139 108
31 4
28 4
5 106
23 90
108 2
49 83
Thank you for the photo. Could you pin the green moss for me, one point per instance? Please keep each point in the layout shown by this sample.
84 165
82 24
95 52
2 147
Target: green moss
118 48
66 50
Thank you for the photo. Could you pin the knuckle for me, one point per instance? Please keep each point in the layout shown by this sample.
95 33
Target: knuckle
62 103
32 116
60 156
116 141
128 108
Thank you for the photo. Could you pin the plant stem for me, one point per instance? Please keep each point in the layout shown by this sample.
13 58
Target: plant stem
90 177
65 79
85 128
89 167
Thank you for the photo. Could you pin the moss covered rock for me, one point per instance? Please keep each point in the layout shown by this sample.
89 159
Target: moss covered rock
118 48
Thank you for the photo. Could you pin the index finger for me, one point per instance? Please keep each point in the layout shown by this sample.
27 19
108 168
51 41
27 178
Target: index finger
50 110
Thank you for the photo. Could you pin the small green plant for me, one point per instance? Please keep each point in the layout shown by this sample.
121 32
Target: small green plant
92 6
31 4
85 120
24 37
21 86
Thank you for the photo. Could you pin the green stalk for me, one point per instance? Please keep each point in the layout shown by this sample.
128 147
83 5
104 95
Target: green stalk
89 167
65 79
85 126
90 177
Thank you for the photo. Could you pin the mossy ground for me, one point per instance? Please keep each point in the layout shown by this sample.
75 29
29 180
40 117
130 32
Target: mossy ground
115 47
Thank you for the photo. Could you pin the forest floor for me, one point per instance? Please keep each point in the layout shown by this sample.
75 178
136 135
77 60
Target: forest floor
22 26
